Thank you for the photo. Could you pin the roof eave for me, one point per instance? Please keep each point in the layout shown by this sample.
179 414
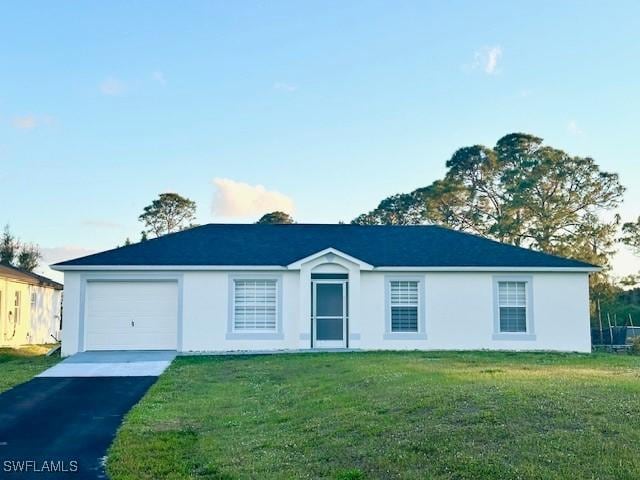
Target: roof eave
64 268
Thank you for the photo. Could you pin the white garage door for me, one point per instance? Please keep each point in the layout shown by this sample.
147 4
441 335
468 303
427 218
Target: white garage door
131 316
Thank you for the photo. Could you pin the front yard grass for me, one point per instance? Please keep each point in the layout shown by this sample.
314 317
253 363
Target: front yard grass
18 365
441 415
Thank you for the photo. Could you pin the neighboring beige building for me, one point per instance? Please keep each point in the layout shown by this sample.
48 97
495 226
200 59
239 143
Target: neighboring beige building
30 308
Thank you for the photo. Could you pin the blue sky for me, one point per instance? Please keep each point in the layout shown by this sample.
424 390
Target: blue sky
322 107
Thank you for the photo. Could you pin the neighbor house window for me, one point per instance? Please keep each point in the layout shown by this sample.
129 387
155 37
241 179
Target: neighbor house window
512 305
404 305
16 308
255 305
34 299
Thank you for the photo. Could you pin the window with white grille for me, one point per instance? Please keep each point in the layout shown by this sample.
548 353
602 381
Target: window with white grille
404 305
512 304
254 305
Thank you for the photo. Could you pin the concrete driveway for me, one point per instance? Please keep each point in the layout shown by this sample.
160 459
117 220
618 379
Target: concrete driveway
60 424
112 364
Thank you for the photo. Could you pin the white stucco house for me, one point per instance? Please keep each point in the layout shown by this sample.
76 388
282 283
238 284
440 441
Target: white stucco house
231 287
29 308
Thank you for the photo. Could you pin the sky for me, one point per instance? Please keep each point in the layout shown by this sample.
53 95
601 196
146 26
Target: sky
317 108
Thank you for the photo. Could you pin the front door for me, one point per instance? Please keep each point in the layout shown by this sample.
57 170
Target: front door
329 313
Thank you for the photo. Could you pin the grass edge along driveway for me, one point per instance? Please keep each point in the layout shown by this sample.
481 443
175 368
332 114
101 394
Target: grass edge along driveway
18 365
442 415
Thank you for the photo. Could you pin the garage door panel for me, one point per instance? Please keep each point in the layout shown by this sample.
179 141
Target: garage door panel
120 341
131 315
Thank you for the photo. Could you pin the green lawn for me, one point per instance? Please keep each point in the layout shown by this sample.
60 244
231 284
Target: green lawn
18 365
387 415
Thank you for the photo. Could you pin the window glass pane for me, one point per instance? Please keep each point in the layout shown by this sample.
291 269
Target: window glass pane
512 294
329 329
404 319
404 305
404 293
513 319
255 305
329 300
512 302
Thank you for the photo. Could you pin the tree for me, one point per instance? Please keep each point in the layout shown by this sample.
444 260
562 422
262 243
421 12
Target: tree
631 235
399 209
9 247
631 238
29 257
169 213
520 192
275 217
16 254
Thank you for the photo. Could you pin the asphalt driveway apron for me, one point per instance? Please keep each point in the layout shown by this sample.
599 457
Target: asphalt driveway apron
57 426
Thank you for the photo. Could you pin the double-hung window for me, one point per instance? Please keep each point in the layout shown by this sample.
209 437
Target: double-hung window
255 305
512 306
16 308
404 304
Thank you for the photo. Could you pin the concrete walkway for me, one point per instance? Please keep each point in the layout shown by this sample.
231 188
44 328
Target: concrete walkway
112 364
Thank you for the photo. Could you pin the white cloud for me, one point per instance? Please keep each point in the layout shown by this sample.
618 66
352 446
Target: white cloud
112 86
26 122
238 199
52 255
97 223
487 59
573 128
159 77
65 252
285 87
29 122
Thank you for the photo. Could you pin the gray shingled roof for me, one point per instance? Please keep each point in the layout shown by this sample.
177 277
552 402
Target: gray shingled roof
280 245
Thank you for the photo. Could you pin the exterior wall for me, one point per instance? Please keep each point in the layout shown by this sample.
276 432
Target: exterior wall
36 324
459 313
45 315
71 306
458 307
206 313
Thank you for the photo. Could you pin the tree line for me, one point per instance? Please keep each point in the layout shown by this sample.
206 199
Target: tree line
520 191
525 193
17 254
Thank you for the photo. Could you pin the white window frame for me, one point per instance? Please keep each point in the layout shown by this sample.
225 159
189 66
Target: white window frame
34 299
243 334
421 334
529 334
